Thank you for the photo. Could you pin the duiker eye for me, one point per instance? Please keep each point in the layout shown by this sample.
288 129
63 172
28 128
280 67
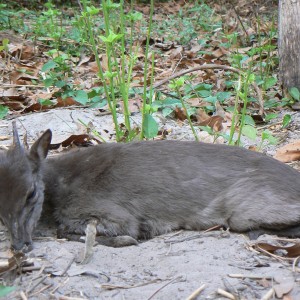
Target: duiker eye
31 194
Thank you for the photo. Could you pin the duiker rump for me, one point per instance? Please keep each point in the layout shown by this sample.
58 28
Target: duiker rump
143 189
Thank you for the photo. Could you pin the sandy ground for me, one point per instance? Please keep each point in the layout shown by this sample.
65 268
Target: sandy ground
172 266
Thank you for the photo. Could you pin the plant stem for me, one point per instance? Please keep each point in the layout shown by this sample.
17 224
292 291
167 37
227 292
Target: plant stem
146 69
187 114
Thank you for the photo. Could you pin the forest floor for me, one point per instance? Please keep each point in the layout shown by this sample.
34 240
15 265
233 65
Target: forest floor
172 266
178 265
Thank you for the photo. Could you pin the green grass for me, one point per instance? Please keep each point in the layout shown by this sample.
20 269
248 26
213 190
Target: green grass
108 29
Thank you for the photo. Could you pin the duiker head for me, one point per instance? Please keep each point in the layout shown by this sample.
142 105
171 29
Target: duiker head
22 188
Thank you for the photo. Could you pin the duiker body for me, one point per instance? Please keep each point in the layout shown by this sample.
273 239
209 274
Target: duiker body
139 190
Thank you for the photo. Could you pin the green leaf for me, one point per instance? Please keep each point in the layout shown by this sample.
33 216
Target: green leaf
249 131
171 101
269 82
271 116
5 43
48 82
150 127
286 120
98 104
203 86
49 65
222 96
3 111
211 99
110 75
60 83
5 290
204 93
92 10
111 38
267 136
167 111
176 83
45 102
249 120
294 92
81 97
134 16
208 129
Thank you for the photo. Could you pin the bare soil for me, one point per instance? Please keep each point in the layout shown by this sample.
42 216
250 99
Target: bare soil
172 266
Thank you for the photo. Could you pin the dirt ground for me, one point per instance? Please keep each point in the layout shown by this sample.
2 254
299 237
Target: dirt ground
172 266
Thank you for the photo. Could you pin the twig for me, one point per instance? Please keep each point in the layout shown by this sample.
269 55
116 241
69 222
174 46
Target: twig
193 237
196 293
36 284
242 276
174 279
225 294
239 19
70 298
295 262
4 264
214 66
41 290
59 285
268 295
68 266
113 287
23 296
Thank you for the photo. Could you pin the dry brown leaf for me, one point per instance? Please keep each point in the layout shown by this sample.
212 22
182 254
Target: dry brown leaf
66 102
283 288
202 116
176 53
288 152
4 138
292 251
13 262
220 52
82 140
179 114
194 102
21 77
215 122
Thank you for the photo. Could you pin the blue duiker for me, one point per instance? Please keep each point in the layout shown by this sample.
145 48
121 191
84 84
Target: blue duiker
143 189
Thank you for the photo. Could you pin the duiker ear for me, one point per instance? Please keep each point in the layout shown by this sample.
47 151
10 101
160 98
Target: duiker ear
39 149
16 140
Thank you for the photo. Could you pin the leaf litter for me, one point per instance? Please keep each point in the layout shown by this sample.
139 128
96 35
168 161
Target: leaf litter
155 269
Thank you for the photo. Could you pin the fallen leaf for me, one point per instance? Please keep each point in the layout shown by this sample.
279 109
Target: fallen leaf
292 251
283 288
288 152
179 114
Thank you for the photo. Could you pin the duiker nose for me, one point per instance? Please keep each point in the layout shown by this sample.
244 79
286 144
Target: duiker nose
21 246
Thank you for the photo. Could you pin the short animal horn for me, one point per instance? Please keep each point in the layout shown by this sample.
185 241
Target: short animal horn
16 140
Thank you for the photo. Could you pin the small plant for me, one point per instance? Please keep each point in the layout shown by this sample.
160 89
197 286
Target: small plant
5 290
294 93
3 111
121 58
49 24
58 70
176 85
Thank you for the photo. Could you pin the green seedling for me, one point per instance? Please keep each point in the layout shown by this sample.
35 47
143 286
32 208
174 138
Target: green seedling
287 119
295 94
5 290
176 85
